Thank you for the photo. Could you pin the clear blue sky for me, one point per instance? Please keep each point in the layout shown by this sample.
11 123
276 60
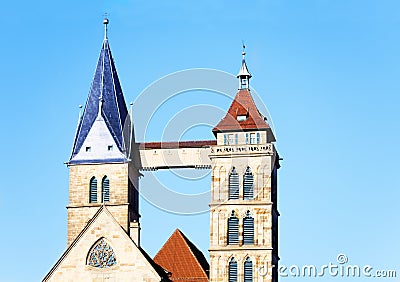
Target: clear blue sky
327 70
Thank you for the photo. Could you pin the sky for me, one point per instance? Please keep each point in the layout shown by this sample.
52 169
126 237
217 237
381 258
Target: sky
327 71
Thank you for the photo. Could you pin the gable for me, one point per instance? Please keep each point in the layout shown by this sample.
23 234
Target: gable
99 145
129 262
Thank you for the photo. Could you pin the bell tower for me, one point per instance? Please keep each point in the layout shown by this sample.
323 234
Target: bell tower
101 170
243 207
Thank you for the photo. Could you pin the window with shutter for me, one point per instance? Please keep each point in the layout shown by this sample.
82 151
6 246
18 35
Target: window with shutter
248 184
233 185
105 190
93 190
232 270
248 229
233 229
248 270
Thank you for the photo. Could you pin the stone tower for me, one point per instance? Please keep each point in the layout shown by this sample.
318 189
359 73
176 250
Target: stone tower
243 208
101 172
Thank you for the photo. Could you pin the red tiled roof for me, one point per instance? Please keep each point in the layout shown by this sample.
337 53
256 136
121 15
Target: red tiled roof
177 144
182 259
242 105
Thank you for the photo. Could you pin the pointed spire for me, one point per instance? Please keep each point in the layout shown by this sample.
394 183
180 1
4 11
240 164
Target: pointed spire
244 74
105 101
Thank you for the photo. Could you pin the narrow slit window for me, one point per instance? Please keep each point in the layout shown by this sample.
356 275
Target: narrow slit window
248 185
232 271
93 190
248 229
233 185
248 270
105 190
233 229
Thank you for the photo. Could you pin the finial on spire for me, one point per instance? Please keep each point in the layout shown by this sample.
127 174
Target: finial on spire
100 106
105 22
244 74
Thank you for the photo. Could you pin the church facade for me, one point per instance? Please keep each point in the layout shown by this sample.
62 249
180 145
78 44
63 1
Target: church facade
103 241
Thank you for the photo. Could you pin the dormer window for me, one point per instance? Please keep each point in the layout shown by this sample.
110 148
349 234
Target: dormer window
241 118
88 149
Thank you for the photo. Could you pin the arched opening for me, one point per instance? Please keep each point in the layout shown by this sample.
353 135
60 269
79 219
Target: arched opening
101 255
248 270
233 185
248 229
232 271
248 185
105 190
93 190
233 229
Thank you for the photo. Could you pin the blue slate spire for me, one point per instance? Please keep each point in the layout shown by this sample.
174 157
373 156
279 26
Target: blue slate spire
106 105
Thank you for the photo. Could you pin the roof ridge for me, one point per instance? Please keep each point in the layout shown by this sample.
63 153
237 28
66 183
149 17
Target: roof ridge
193 249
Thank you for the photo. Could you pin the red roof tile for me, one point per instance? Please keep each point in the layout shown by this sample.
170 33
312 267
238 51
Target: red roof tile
182 259
177 144
242 105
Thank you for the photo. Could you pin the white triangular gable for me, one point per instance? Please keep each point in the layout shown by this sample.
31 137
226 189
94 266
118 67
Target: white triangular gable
131 262
99 144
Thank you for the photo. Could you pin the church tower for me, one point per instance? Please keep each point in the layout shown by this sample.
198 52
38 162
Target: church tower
243 208
101 173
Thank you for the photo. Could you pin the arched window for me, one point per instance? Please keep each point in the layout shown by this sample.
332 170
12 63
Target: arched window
93 190
248 270
232 272
248 185
233 229
101 255
248 229
233 184
105 190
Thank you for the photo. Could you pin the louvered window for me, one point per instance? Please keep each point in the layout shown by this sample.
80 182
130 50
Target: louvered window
232 270
233 185
248 229
105 190
248 270
233 229
248 184
93 190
